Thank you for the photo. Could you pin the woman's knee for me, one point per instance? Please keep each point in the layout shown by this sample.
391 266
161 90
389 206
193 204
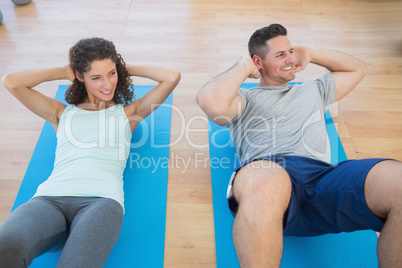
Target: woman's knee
13 251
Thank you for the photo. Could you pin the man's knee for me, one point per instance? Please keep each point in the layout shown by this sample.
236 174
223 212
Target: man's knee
383 187
263 184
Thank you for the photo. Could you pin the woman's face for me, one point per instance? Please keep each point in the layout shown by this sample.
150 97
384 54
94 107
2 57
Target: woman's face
100 81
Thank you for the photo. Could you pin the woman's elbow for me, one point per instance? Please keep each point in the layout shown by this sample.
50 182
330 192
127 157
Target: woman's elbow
364 68
175 77
8 82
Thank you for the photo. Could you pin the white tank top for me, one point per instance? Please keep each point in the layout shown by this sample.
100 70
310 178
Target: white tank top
91 154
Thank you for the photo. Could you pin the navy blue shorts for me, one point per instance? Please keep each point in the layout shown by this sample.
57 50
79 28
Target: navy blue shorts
325 198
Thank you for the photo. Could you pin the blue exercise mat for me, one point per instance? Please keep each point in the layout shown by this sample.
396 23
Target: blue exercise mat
356 249
142 239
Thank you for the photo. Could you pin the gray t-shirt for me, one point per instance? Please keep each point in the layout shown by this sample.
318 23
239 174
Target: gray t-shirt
284 120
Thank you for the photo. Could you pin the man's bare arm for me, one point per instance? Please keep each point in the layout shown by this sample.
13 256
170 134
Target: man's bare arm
347 70
219 98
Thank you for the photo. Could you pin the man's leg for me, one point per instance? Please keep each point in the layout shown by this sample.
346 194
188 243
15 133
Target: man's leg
383 192
262 189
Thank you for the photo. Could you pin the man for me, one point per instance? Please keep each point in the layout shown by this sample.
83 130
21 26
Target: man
284 185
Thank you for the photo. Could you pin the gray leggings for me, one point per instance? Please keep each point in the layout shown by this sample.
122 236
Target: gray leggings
85 228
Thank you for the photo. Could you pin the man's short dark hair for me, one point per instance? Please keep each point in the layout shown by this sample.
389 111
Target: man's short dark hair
257 45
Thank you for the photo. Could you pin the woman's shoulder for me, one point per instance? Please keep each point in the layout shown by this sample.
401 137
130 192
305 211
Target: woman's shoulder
130 108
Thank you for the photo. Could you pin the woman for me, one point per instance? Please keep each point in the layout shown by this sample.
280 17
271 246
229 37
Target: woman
80 207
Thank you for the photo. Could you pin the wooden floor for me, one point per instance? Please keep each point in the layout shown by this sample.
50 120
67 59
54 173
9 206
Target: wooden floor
202 38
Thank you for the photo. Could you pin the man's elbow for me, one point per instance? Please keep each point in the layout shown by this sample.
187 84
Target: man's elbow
208 104
202 101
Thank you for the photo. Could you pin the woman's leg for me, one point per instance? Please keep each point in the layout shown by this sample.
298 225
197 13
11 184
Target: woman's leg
94 231
29 231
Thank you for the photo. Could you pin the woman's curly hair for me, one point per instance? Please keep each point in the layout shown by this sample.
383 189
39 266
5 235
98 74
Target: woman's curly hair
86 51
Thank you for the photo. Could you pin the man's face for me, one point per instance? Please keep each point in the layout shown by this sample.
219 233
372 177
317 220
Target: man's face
278 66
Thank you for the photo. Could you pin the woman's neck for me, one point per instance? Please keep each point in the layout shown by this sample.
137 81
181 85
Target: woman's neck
98 106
